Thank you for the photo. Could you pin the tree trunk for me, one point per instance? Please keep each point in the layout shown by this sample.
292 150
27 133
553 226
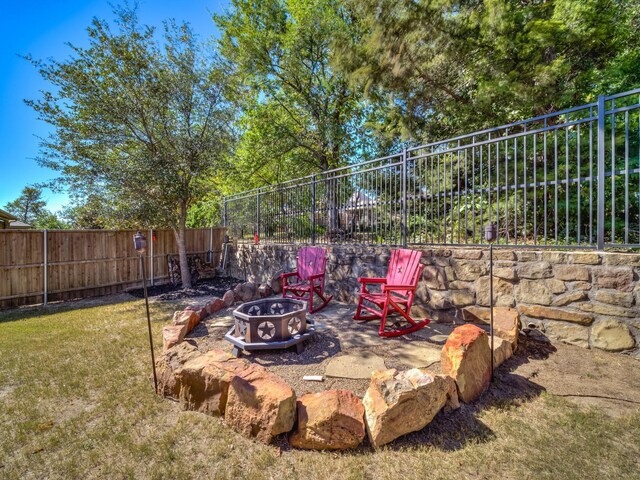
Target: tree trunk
185 274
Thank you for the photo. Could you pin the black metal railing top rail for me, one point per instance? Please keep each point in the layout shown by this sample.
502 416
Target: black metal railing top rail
565 179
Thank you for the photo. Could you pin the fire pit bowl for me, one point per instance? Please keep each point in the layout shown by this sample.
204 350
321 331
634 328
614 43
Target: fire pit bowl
270 323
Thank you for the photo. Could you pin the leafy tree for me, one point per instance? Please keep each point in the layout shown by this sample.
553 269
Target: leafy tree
447 67
299 115
138 121
28 206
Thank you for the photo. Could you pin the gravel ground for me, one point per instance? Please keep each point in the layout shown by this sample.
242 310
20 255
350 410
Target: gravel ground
326 343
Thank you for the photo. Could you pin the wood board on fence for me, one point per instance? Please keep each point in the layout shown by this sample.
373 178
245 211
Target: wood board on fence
84 263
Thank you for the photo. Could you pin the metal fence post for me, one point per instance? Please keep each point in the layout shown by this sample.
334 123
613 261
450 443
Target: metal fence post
224 212
258 213
45 269
313 209
600 195
151 255
403 200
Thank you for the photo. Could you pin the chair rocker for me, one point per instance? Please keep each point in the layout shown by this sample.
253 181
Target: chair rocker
395 296
308 279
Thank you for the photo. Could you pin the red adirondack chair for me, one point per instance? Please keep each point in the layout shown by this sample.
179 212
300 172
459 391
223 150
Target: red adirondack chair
395 296
308 279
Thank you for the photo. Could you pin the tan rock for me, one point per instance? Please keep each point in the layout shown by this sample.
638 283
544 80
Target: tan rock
169 363
506 273
186 317
624 259
506 255
205 380
533 291
329 420
556 286
617 278
215 305
550 313
467 254
260 404
554 257
613 297
571 297
462 298
228 298
397 403
466 356
435 277
502 292
586 258
582 286
611 335
568 333
476 314
469 270
502 351
440 300
264 290
246 292
506 324
276 283
535 270
605 309
572 273
527 256
172 335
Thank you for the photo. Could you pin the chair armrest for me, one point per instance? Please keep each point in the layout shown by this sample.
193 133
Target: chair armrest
372 280
398 287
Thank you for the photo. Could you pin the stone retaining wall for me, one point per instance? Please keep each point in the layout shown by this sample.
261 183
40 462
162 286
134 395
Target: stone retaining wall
589 299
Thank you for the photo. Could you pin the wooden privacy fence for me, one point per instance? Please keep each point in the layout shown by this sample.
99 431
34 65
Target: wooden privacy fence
38 266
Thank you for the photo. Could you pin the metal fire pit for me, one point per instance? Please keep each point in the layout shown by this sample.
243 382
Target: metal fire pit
270 323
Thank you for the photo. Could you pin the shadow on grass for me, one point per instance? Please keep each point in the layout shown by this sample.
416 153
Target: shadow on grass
450 431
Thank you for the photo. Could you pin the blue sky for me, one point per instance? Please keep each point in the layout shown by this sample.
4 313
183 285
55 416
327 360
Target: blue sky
41 28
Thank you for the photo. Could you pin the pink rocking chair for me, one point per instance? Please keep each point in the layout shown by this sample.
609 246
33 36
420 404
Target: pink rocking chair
308 279
396 295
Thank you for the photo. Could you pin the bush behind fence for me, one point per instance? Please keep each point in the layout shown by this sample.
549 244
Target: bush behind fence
568 178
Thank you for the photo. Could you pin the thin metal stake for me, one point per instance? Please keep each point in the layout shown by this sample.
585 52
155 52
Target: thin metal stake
146 302
491 303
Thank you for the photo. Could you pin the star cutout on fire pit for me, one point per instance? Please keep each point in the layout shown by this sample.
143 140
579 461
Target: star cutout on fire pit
255 310
294 325
277 309
266 330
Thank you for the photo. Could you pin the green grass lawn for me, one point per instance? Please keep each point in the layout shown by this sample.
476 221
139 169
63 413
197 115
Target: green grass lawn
76 401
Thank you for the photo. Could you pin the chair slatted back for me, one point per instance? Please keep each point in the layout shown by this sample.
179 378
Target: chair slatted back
404 267
311 261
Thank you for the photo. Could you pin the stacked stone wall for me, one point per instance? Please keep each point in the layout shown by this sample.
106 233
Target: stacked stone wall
589 299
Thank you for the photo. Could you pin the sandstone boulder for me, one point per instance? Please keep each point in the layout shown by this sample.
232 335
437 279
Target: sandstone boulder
203 313
228 298
260 404
265 290
204 381
169 363
245 292
276 283
187 317
329 420
215 305
612 335
506 325
172 335
502 351
466 356
397 403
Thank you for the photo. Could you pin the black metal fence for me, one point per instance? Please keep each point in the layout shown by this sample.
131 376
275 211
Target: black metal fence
569 178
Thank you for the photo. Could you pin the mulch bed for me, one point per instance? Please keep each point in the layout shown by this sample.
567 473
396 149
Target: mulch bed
208 287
